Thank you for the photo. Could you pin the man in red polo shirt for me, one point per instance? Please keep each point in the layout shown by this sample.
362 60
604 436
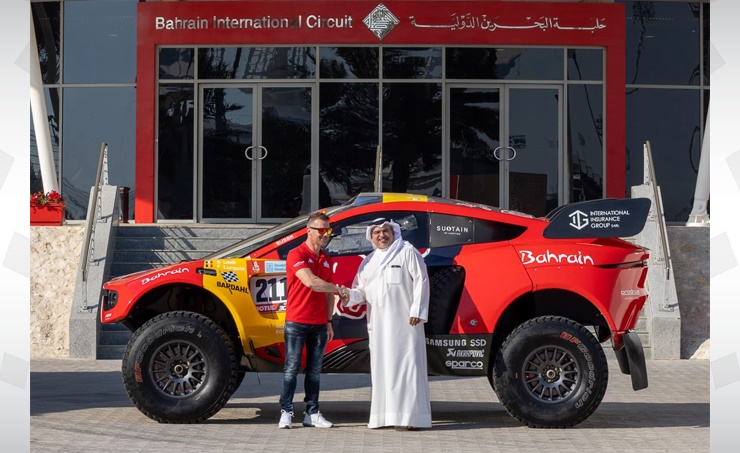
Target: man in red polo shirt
308 316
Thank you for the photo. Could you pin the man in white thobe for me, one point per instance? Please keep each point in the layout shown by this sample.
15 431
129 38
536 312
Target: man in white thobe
393 281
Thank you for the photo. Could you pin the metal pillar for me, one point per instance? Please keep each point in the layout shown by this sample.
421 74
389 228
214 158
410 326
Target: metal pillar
41 119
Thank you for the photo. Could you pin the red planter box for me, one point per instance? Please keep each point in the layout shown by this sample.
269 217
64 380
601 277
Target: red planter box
50 214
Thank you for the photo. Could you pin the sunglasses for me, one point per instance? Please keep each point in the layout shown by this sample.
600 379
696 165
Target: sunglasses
321 231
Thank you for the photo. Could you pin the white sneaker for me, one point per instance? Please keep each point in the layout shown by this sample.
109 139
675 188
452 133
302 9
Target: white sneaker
317 420
286 420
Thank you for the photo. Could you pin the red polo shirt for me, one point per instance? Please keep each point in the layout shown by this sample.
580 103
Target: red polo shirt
305 305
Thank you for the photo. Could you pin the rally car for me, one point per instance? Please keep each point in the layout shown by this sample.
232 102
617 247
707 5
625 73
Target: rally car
525 301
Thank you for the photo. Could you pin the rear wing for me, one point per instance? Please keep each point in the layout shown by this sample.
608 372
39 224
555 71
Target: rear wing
605 218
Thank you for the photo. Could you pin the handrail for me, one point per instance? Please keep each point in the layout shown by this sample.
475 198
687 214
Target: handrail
92 210
659 210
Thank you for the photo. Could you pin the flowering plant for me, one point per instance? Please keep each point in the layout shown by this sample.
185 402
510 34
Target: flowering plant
40 198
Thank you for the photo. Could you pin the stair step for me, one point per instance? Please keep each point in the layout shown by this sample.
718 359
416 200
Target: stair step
114 338
110 352
143 245
159 257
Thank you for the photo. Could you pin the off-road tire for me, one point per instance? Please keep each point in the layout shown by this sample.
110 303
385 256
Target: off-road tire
551 372
445 288
179 367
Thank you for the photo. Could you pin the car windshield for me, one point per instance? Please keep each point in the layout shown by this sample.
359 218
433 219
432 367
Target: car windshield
252 243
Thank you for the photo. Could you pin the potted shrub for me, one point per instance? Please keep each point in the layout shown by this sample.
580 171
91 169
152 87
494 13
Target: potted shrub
47 208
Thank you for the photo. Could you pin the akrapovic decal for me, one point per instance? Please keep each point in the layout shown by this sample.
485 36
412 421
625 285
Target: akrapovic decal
465 355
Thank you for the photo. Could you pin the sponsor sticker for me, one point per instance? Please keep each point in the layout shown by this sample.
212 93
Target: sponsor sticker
548 257
275 267
159 275
269 294
465 355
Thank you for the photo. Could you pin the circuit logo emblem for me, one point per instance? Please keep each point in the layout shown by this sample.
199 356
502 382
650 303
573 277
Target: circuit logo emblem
381 21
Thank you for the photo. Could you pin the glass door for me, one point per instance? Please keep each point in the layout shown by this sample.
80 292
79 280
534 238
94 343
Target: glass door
505 146
532 159
255 151
475 131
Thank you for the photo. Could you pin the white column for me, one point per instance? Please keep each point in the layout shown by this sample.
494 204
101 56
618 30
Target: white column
40 119
699 216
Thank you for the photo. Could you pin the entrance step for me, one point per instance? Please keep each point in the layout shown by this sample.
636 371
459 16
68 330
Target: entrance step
143 247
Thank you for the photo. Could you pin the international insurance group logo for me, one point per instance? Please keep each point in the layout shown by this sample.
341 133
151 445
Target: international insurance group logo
381 21
578 220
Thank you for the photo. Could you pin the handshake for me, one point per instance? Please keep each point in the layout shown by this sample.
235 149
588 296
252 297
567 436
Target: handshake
343 292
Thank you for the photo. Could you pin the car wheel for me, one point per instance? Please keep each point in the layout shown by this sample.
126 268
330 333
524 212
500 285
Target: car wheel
179 367
445 287
551 372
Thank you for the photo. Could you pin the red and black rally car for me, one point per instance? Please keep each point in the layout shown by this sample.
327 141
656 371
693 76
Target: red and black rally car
525 301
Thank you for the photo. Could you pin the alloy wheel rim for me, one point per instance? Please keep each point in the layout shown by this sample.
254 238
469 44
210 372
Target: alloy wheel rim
550 374
178 369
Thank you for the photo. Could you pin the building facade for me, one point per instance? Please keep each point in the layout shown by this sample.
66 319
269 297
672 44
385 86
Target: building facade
258 111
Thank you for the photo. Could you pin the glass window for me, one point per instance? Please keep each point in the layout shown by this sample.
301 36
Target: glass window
504 63
705 41
669 119
474 143
51 95
100 42
663 42
412 63
348 137
88 122
585 142
351 234
447 230
257 63
412 138
585 64
46 25
349 62
175 152
176 63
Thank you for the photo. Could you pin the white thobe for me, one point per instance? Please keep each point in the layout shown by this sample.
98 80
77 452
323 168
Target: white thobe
398 361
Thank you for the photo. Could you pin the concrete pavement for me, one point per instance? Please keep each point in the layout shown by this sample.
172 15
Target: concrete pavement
80 405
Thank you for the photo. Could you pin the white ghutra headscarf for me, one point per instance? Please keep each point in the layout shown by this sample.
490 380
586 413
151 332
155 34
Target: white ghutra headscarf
391 252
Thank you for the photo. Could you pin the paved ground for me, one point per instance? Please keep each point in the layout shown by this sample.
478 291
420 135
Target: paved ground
81 406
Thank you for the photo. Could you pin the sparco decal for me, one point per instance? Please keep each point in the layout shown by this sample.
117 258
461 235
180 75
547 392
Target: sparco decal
180 270
464 364
559 258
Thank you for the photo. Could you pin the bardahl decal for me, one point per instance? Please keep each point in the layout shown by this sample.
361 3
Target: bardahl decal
232 287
